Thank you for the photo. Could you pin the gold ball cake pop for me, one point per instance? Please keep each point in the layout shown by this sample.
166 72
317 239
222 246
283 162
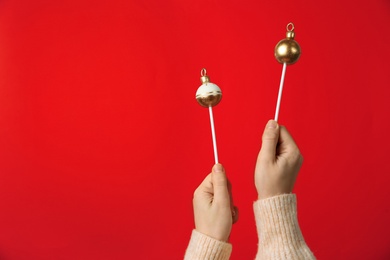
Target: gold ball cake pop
208 94
288 50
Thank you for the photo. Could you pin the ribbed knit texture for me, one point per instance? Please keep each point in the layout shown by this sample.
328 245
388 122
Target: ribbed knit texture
202 247
279 234
277 226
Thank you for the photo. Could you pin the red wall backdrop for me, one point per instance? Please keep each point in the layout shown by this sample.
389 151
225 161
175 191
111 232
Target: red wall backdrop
102 142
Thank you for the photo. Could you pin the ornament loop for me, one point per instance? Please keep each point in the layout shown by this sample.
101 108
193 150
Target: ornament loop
290 27
203 72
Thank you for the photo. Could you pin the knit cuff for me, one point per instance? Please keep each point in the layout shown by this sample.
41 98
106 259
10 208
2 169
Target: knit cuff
202 247
277 226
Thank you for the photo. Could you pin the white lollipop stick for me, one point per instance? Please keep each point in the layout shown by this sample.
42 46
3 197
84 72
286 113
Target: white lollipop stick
213 135
280 91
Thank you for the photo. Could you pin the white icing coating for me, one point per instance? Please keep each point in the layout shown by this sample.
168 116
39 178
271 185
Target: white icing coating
207 88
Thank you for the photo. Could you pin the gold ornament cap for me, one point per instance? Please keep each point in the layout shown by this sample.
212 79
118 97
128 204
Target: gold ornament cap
288 50
208 94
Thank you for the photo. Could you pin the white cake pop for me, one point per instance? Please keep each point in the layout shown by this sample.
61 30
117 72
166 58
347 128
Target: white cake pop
208 94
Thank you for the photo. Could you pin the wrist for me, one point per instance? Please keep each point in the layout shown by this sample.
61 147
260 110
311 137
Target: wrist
264 196
224 239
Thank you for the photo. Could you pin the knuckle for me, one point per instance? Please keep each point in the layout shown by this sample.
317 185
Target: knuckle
296 157
300 159
196 193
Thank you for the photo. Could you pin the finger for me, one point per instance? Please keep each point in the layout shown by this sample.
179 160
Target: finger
205 188
235 214
220 184
269 141
286 138
287 148
286 142
229 185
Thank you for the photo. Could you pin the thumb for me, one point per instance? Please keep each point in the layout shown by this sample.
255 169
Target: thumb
269 141
220 185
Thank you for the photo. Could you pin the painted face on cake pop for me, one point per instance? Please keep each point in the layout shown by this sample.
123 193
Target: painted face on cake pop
208 94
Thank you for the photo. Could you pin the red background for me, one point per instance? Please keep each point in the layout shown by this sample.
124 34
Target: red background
102 142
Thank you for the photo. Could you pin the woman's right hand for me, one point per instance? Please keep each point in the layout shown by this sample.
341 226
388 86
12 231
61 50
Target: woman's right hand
278 162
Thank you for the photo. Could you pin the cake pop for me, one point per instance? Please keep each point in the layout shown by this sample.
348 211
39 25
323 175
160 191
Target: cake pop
209 95
287 52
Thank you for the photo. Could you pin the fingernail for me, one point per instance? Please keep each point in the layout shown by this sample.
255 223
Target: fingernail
218 168
272 124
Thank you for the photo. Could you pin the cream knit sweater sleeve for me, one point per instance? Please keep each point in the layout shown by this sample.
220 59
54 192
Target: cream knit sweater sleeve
277 227
202 247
